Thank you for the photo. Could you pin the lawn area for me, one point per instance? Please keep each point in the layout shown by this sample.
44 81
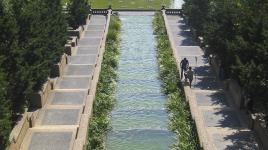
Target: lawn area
140 4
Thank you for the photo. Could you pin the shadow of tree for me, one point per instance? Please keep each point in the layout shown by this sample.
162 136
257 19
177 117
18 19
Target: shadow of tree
240 140
221 118
206 83
212 99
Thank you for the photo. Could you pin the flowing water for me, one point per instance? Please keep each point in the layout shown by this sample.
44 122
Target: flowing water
176 4
139 120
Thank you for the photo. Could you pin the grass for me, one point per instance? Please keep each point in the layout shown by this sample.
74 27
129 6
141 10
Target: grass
130 4
105 95
181 122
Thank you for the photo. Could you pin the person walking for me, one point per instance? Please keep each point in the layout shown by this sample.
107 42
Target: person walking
184 66
190 75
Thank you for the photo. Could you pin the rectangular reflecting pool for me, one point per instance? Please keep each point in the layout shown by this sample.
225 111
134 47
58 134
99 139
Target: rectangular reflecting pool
139 120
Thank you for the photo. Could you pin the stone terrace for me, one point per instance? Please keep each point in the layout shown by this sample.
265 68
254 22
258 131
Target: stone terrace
65 115
220 126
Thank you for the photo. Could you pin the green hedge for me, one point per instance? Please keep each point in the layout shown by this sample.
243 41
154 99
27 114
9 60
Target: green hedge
105 95
181 122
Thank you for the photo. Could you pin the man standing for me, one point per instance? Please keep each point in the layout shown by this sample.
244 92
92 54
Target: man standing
184 66
190 75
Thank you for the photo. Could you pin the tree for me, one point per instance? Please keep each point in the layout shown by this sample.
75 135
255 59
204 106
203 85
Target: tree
43 33
8 43
78 11
237 32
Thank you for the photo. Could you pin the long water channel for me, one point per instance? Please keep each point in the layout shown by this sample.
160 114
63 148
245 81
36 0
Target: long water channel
139 120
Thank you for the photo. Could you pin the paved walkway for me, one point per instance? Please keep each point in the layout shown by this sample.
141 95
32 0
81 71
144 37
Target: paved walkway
220 126
66 112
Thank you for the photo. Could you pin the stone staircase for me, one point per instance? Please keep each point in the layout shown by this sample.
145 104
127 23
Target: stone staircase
62 123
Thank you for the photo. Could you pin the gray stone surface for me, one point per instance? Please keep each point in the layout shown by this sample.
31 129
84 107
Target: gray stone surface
204 71
68 98
201 60
88 50
79 70
96 27
74 83
189 50
236 141
96 33
83 60
97 22
51 141
211 99
220 118
98 16
60 117
92 41
183 41
206 83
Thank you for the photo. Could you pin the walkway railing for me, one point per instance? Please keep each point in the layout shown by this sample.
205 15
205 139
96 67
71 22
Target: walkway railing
99 11
173 12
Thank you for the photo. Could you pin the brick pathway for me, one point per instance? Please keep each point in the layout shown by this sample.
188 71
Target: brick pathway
220 126
60 120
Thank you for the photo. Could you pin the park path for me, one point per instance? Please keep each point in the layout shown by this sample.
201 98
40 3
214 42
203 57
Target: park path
62 123
220 126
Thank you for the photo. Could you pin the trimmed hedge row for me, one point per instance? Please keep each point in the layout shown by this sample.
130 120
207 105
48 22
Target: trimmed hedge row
181 122
105 95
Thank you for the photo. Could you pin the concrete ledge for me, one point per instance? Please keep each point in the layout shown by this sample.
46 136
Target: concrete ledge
74 40
68 49
232 86
19 131
77 32
58 69
38 100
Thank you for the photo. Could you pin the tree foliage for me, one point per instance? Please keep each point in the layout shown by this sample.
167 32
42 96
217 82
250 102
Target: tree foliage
237 32
78 11
31 43
8 44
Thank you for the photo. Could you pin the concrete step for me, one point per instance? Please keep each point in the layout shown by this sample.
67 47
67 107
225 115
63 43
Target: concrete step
90 41
97 22
74 83
49 139
82 60
94 33
86 50
79 70
63 98
59 116
96 27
